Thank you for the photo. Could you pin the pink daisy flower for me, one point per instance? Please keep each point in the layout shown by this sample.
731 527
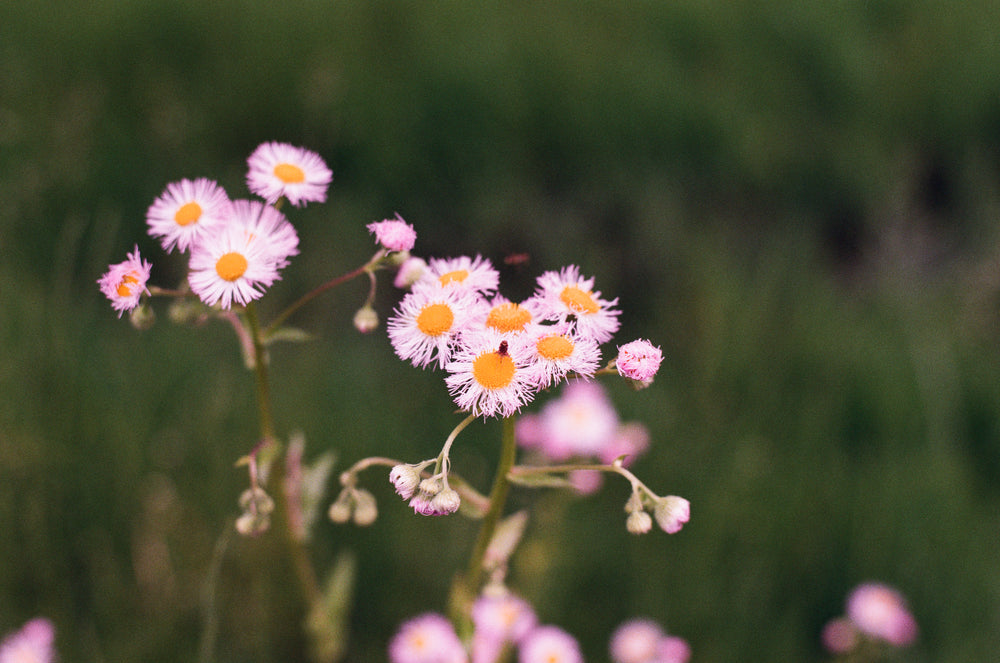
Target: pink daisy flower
281 170
33 643
566 296
549 644
428 638
187 211
239 261
557 353
581 422
639 361
394 234
506 316
462 273
125 282
427 322
881 612
491 374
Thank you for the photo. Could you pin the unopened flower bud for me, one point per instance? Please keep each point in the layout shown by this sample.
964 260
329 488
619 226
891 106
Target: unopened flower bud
365 508
410 272
340 510
639 361
257 501
634 502
446 502
671 513
142 316
405 478
638 522
430 487
252 524
366 319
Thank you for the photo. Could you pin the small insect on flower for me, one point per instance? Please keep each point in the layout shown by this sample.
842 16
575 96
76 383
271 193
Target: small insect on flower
280 170
186 212
125 283
491 374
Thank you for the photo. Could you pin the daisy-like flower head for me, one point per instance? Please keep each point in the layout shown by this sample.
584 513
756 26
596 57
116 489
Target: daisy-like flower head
186 212
462 273
549 644
558 352
492 373
428 638
33 643
582 421
508 317
394 234
881 612
281 170
639 361
426 324
243 258
125 282
504 617
566 296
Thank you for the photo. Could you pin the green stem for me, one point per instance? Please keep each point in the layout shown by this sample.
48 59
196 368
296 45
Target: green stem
260 373
465 589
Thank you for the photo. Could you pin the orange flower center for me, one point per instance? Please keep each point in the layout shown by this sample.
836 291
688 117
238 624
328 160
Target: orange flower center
289 173
126 284
508 317
231 266
435 319
493 370
579 300
456 276
187 214
554 347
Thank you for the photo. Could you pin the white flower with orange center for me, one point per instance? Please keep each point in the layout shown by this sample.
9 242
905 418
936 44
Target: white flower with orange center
565 296
462 273
558 352
508 317
239 261
427 322
280 170
492 373
186 212
125 283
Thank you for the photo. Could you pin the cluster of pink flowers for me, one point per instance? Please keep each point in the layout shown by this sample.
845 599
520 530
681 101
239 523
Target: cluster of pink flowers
501 621
498 354
644 641
874 611
32 643
237 247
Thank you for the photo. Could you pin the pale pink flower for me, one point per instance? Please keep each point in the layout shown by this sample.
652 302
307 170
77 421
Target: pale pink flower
281 170
428 638
394 234
580 422
425 326
503 617
671 512
405 478
639 361
409 272
243 258
125 283
549 644
672 649
635 641
630 440
186 212
558 352
491 374
565 296
444 502
33 643
881 612
461 273
506 316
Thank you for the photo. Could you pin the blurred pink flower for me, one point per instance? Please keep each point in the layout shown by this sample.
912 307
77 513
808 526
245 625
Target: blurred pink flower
881 612
428 638
33 643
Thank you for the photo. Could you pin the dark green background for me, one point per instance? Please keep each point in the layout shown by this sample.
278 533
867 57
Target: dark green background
796 200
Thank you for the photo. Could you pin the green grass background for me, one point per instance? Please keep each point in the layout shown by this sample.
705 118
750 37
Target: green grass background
797 200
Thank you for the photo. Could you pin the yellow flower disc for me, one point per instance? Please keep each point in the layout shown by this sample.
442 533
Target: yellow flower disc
579 300
493 370
435 319
508 317
231 266
457 276
188 213
554 347
289 173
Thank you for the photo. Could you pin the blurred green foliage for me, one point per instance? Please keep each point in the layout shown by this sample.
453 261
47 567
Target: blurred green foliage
797 200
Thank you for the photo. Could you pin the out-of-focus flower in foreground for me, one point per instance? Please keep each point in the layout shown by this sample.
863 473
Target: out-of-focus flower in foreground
32 643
